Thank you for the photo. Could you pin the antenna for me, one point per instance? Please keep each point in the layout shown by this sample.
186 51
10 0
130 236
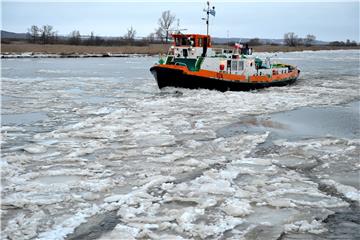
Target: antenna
208 12
228 40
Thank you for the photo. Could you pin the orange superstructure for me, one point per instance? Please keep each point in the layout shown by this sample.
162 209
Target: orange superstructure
194 40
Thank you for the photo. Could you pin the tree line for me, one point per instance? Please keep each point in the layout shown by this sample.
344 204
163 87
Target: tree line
46 34
292 40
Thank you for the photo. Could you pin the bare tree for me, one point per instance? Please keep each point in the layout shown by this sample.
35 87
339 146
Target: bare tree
337 43
75 37
130 35
92 38
254 42
309 40
151 37
290 39
33 33
350 43
54 37
47 34
160 34
89 40
165 22
353 43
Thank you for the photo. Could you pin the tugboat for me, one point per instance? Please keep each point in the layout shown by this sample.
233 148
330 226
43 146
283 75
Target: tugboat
192 63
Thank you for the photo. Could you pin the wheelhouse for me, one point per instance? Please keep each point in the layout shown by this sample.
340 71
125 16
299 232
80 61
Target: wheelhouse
191 40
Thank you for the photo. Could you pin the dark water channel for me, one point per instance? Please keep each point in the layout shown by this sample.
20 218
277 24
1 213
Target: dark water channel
341 121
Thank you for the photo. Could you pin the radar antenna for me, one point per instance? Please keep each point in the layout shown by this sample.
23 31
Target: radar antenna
208 12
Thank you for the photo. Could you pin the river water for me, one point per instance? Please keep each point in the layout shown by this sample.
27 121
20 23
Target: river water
92 149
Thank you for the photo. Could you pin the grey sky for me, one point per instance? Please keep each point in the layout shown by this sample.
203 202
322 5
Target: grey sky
326 20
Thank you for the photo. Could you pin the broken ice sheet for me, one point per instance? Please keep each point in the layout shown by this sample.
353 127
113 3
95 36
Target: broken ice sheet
159 156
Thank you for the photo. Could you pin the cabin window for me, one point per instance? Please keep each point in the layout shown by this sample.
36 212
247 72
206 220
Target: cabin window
200 42
228 65
184 41
241 66
234 65
185 53
192 41
228 51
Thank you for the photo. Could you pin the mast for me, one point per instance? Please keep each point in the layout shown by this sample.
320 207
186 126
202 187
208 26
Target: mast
208 12
207 18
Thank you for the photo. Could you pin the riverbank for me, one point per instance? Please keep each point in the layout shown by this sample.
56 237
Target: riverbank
18 49
62 50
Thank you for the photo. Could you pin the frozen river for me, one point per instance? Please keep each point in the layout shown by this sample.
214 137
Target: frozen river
92 149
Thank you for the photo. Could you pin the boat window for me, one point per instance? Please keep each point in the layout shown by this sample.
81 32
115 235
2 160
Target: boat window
192 41
241 66
207 41
184 41
177 41
234 65
200 43
185 53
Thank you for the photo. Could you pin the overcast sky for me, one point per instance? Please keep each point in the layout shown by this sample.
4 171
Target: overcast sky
265 19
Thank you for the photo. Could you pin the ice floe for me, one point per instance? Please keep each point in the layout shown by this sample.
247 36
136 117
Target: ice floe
157 161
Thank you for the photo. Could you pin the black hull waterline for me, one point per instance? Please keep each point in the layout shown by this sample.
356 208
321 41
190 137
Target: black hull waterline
166 77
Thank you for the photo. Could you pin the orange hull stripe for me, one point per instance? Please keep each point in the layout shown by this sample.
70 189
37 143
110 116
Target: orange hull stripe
233 77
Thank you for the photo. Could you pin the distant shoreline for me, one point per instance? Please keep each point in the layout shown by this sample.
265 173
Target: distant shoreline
27 50
72 55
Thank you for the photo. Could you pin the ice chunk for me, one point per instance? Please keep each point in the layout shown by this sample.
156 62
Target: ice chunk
281 202
22 227
12 129
217 187
314 227
35 149
188 216
67 226
348 191
224 224
193 163
22 199
115 198
89 196
236 207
